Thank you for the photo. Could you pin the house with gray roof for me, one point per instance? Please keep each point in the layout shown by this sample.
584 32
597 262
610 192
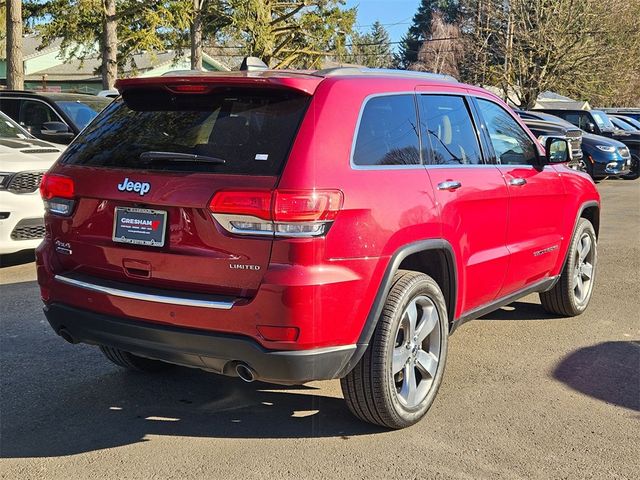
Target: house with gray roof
45 68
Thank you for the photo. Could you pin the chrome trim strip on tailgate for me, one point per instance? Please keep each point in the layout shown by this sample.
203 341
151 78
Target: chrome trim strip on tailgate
146 297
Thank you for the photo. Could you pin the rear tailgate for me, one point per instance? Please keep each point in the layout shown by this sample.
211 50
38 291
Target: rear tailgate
128 189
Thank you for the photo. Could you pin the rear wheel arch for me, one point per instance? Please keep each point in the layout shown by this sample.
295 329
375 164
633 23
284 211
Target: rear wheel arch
417 256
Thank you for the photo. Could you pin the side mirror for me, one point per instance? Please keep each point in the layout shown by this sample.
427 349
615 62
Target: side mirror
56 132
591 127
54 127
557 150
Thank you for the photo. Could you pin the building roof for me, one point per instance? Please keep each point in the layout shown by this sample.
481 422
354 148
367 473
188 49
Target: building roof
56 69
31 45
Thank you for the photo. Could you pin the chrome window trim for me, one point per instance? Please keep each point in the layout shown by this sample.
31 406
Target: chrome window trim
421 166
519 122
145 297
466 98
461 165
354 166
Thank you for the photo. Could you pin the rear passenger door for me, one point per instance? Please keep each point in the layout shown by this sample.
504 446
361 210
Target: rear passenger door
536 199
471 195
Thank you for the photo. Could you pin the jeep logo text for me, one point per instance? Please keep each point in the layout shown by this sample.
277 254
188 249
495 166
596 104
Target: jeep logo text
129 186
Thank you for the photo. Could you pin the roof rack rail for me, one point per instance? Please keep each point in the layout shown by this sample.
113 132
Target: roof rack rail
386 72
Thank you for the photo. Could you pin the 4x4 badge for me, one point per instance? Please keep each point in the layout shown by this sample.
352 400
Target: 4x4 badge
130 186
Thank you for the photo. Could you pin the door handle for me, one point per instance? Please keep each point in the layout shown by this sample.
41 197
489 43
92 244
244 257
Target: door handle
518 182
449 185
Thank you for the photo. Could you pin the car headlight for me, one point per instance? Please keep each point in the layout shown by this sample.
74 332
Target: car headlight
5 178
606 148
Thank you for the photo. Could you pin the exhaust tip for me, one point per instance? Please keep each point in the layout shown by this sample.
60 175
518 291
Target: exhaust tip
245 372
64 333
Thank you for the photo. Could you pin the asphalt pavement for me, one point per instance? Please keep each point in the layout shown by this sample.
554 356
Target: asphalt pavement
525 395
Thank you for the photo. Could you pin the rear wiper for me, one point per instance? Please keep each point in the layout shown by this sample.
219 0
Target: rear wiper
179 157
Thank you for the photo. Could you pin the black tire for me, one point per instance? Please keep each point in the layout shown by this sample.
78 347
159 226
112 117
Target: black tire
635 168
133 362
371 389
562 299
589 168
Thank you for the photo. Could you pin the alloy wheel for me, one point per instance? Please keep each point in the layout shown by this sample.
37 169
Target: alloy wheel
584 269
416 352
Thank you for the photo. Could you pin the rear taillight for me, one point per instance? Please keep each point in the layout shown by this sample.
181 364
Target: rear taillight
283 213
58 193
256 203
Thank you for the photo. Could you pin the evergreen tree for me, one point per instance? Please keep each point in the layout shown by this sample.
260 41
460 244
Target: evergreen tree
420 29
372 49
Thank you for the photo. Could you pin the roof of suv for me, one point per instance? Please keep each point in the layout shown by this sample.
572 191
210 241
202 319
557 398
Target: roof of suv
57 96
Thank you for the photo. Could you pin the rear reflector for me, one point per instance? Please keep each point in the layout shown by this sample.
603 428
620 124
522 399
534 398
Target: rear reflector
278 334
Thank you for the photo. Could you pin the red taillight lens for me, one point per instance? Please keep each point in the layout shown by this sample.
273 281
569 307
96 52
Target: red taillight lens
56 186
256 203
306 206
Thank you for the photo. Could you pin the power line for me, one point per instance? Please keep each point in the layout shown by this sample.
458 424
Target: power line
401 22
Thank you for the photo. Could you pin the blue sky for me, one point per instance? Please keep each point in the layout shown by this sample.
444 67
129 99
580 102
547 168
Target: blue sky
395 15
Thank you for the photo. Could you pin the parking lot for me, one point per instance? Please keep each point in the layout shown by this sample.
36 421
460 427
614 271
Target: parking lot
525 395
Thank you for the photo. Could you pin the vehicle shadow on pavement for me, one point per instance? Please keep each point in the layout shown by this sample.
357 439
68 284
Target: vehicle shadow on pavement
122 408
18 258
608 371
519 311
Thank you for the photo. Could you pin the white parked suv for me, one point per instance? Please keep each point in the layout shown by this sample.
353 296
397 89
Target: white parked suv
23 161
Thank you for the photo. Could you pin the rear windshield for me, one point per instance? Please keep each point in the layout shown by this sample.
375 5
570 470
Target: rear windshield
252 131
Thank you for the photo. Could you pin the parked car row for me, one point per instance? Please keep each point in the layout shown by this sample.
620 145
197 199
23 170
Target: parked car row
34 130
621 159
600 156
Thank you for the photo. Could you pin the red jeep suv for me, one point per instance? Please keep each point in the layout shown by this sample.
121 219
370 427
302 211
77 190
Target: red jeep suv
291 226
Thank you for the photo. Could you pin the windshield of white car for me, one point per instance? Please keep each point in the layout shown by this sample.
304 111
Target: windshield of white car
10 129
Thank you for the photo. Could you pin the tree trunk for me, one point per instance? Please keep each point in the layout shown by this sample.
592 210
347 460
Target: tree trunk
15 65
196 36
109 45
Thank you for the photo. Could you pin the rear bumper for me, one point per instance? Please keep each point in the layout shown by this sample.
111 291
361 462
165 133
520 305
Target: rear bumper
215 352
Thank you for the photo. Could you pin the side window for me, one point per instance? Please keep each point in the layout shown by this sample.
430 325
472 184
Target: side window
11 108
585 120
510 142
447 127
34 113
388 134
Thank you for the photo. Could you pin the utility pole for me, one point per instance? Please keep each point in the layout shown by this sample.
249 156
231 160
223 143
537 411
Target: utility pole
15 65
